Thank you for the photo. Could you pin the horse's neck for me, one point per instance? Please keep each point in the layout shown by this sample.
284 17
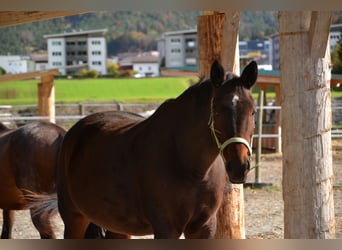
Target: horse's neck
193 135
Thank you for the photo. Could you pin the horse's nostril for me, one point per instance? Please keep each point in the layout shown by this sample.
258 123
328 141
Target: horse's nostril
229 166
248 165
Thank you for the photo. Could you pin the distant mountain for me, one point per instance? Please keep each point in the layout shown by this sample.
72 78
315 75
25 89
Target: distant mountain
128 30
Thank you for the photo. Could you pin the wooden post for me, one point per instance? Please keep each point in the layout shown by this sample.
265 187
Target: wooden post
46 97
218 39
209 33
306 123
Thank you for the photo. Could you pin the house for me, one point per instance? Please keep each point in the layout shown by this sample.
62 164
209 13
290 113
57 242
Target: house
144 64
40 61
16 64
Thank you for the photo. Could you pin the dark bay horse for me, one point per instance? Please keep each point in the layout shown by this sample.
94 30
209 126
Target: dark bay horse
164 175
28 161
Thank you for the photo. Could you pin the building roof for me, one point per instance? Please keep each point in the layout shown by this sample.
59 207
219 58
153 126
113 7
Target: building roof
336 27
140 58
333 27
145 59
39 57
181 32
99 32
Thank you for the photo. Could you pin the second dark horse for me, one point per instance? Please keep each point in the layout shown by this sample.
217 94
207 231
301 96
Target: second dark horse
28 161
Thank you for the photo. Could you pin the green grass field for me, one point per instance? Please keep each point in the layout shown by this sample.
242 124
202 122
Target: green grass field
96 90
128 90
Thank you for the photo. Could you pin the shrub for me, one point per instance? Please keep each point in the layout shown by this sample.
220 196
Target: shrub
2 71
113 69
91 73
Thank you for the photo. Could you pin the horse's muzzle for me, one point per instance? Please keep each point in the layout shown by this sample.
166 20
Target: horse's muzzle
237 171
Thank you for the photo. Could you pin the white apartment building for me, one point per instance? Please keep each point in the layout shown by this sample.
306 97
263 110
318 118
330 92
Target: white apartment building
72 51
335 35
179 48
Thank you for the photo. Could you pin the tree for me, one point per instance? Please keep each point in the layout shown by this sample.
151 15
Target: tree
336 58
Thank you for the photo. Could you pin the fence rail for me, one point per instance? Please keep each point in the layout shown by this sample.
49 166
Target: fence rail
6 114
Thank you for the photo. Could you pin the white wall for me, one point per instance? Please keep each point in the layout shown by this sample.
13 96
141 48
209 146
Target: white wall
146 68
56 53
14 64
97 54
174 52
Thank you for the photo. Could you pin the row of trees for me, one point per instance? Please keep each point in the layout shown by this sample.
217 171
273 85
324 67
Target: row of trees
127 30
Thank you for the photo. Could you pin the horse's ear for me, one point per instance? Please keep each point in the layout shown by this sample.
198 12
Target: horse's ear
249 74
216 74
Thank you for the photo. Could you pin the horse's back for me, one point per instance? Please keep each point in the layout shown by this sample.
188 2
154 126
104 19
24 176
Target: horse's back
34 155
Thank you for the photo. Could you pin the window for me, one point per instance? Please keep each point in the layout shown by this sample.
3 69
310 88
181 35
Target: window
56 53
96 42
190 43
96 63
56 43
70 43
56 63
97 52
175 51
81 43
175 40
189 50
82 53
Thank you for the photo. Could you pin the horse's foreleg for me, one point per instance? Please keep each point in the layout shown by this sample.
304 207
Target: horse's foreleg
205 231
43 224
7 224
75 226
94 232
164 230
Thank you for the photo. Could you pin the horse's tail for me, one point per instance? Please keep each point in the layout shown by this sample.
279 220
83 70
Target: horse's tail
38 203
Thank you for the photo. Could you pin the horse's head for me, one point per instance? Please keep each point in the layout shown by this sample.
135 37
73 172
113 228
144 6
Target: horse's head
232 118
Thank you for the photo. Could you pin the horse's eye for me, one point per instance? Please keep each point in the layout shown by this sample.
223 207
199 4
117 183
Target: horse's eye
253 112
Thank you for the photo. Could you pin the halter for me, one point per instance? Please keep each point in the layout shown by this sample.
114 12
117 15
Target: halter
226 143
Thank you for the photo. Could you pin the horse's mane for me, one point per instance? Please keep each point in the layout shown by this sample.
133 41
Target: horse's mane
202 85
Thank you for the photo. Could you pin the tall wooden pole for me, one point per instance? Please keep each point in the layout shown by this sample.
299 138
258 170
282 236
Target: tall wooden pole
306 124
218 39
46 97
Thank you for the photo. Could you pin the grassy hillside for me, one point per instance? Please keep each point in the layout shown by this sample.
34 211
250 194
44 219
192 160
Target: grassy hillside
96 90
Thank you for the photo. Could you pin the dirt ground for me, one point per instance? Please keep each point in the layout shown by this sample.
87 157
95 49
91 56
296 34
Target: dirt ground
263 207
